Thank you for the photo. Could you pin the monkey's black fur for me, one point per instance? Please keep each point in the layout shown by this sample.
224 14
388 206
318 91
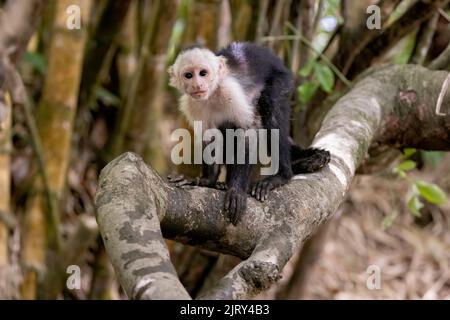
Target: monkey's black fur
258 69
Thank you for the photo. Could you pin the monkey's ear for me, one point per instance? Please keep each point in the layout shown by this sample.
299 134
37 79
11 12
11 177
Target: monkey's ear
223 68
172 77
170 71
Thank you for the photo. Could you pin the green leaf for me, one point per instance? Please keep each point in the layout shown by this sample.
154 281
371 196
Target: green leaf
406 165
307 69
325 76
414 205
37 60
408 152
431 192
306 91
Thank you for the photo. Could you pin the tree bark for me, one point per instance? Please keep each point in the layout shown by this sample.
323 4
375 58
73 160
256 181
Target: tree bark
393 106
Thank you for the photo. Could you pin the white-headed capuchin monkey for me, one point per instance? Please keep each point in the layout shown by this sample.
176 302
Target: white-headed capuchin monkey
241 86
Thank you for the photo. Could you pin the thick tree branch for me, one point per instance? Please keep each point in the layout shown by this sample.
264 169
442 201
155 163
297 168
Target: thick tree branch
393 106
131 230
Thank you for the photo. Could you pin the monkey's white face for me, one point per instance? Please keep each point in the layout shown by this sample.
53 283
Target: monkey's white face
198 72
198 81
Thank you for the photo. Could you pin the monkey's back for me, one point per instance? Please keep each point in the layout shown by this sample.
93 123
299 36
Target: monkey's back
256 62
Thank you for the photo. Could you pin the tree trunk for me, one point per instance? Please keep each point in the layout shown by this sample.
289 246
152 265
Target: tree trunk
55 122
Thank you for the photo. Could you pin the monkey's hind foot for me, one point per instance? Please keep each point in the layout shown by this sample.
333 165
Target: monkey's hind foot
182 180
309 160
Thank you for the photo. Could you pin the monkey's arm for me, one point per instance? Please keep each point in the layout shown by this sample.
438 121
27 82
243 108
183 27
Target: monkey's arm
238 176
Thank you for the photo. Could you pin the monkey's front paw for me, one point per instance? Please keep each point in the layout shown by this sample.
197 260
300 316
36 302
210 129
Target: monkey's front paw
262 188
181 180
235 204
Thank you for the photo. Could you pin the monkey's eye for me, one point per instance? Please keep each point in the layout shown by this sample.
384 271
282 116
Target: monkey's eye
203 73
188 75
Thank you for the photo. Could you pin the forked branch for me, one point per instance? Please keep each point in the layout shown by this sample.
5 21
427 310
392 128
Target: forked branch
393 106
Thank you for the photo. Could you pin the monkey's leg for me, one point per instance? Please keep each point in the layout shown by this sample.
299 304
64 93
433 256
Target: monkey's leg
308 160
235 203
275 112
261 189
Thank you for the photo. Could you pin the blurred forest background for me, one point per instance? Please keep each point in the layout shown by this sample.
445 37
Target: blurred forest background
78 97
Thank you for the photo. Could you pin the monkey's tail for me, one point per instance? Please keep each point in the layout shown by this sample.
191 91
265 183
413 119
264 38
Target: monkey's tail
308 160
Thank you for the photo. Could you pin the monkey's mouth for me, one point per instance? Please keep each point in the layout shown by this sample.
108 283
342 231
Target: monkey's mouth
197 93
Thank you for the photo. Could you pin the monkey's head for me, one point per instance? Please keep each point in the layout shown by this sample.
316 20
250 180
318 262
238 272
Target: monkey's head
197 72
